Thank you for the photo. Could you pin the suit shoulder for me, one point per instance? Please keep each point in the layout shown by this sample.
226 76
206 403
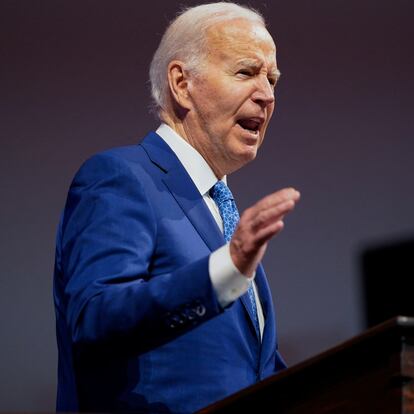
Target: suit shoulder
119 155
132 162
131 158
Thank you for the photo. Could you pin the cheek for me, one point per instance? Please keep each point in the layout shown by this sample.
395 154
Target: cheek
204 97
215 104
223 103
225 97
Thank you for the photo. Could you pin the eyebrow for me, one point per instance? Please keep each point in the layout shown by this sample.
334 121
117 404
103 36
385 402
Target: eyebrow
254 63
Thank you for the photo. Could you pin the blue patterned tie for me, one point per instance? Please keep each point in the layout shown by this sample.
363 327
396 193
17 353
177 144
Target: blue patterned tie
223 197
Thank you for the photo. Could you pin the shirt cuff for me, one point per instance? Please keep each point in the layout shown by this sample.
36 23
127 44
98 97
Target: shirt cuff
228 283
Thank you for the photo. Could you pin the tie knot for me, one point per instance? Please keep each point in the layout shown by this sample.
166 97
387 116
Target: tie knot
220 193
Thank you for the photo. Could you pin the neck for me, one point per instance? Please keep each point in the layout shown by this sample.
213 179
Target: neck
183 130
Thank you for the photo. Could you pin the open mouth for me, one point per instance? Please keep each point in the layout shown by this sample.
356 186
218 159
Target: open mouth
251 125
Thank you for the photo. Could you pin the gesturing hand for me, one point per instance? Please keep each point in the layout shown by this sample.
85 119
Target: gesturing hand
257 225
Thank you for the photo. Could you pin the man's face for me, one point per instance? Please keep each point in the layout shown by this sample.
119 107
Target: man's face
232 98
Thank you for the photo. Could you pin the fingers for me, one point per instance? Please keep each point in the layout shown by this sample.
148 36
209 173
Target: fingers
276 198
271 215
258 224
270 209
263 235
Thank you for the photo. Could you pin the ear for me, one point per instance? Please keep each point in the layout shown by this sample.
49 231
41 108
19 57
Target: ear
178 82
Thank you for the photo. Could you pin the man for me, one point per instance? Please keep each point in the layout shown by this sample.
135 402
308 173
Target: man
156 313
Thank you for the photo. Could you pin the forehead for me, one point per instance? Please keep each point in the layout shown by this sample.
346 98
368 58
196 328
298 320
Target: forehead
240 38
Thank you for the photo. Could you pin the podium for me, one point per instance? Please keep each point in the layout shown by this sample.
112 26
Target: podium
371 373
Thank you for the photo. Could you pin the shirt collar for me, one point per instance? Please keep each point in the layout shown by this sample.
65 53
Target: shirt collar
195 165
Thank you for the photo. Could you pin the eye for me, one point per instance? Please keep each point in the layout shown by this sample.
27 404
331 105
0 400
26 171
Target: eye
245 72
272 81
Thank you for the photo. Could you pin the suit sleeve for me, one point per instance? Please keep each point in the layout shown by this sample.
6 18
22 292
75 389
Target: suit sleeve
107 241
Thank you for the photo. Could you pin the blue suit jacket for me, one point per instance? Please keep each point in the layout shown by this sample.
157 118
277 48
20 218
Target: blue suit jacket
139 327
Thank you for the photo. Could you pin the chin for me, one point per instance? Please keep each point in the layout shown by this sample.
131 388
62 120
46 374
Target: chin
249 150
245 155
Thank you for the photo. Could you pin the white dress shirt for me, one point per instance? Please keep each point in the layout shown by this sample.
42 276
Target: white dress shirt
228 283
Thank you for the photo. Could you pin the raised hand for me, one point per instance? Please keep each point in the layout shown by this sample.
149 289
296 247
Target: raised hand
257 225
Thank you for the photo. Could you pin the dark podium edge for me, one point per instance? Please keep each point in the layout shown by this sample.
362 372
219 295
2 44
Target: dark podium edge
389 334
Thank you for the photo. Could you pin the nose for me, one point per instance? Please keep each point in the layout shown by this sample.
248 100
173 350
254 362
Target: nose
264 93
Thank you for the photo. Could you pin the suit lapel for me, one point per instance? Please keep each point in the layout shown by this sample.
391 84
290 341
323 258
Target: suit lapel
190 200
269 334
184 190
193 205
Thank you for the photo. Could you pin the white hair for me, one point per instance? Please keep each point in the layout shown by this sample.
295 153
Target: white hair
185 40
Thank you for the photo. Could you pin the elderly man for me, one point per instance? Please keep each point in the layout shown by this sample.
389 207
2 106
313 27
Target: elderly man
162 305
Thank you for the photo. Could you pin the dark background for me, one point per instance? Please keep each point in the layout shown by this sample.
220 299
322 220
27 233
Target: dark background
74 82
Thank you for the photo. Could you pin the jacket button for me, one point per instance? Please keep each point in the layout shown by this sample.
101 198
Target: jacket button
200 310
